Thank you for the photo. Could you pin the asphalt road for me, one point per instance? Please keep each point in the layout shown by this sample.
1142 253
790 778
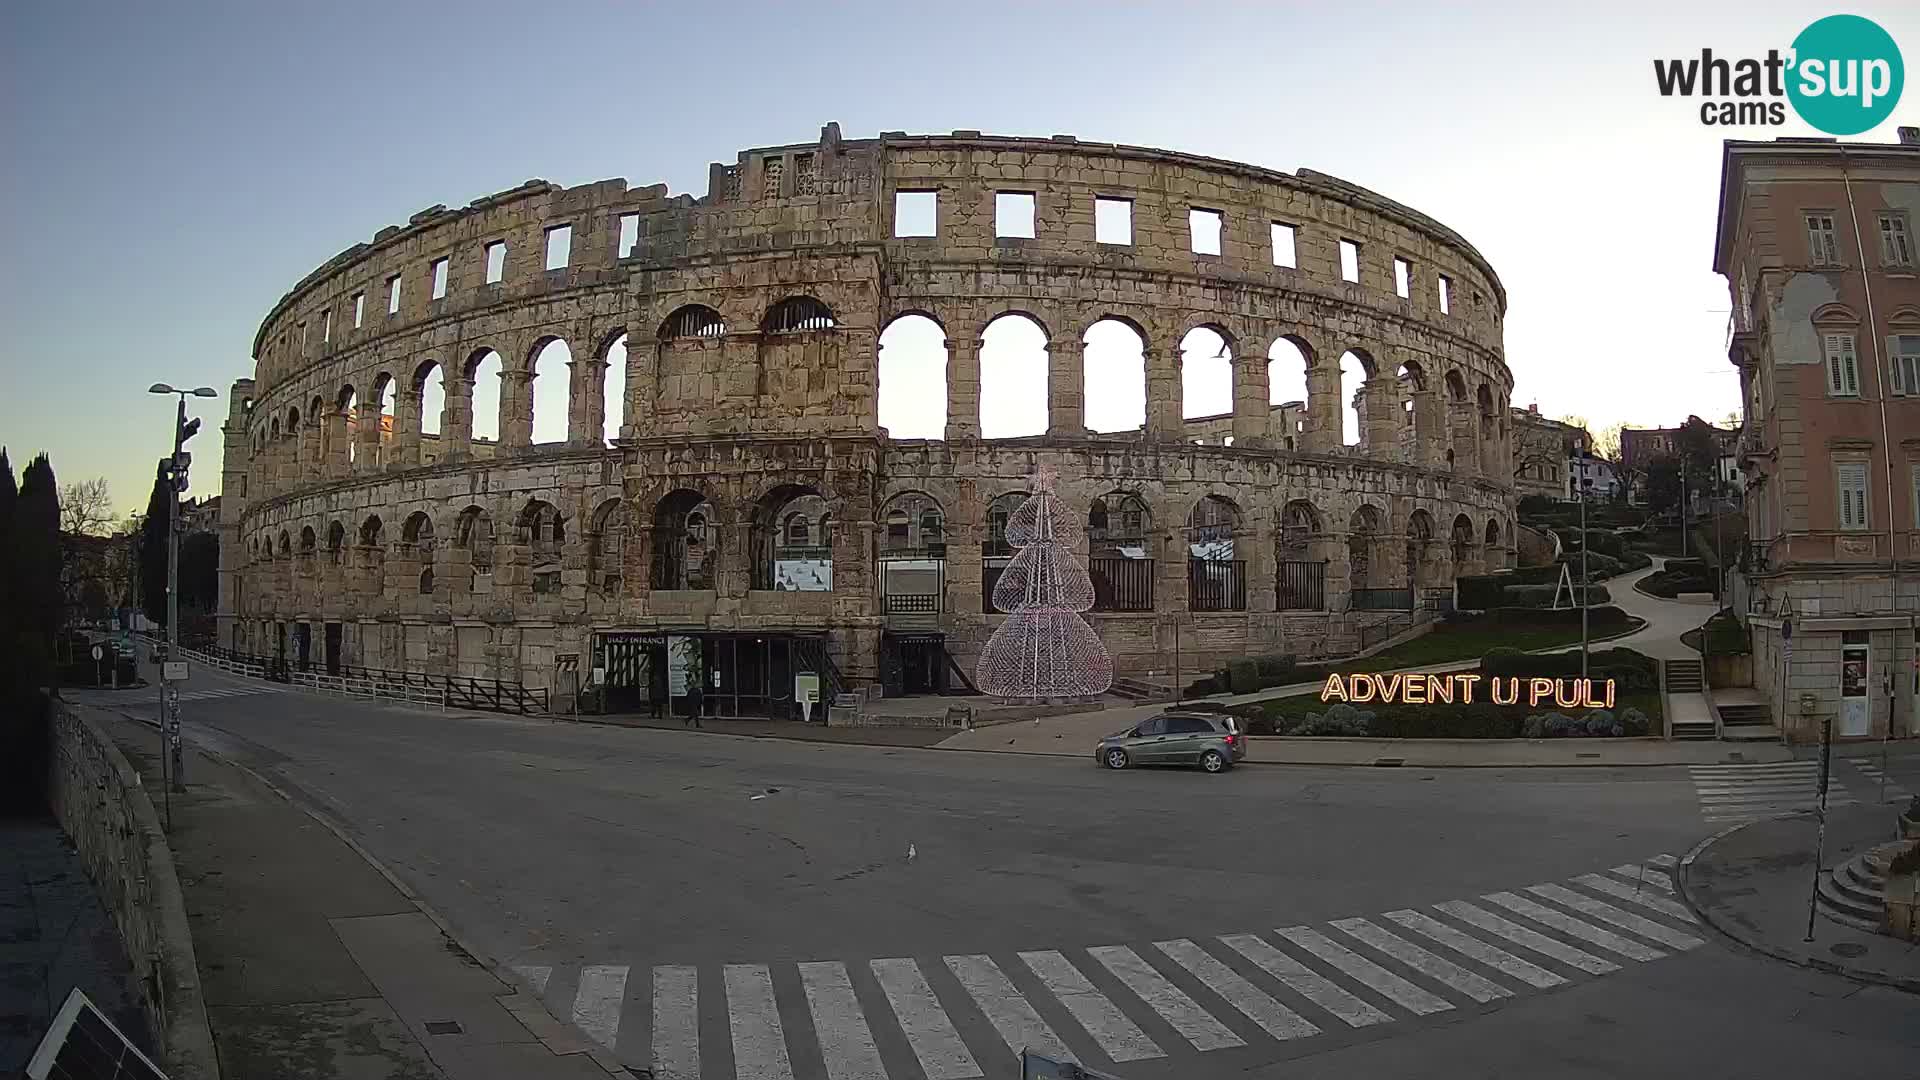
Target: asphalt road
897 912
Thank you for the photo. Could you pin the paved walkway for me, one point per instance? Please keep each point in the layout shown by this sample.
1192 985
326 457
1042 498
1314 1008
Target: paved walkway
55 935
1752 883
315 964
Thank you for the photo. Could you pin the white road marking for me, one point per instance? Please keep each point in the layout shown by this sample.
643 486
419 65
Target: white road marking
1525 937
1659 879
1255 1004
1366 972
1625 920
1006 1007
1652 901
759 1042
1561 921
536 976
846 1043
1444 971
1467 945
1181 1012
1305 981
1667 861
596 1006
1119 1038
942 1055
676 1023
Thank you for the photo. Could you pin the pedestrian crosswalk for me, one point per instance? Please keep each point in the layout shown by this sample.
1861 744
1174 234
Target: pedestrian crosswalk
1881 786
1735 793
966 1016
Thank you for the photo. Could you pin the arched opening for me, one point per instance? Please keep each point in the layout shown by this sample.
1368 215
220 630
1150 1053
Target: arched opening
1462 545
685 548
913 378
552 394
792 542
1216 577
1363 533
1114 360
1300 574
1419 548
1355 370
797 314
995 550
606 548
286 545
613 389
1013 378
473 534
693 321
1206 374
484 377
417 534
370 532
348 402
426 582
542 532
1496 545
913 563
1122 552
309 543
1287 363
336 542
430 384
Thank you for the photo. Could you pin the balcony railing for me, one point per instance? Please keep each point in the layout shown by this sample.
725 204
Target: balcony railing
1301 586
1216 585
1122 584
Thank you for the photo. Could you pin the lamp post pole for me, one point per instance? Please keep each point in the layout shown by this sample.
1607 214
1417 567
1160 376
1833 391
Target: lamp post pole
182 431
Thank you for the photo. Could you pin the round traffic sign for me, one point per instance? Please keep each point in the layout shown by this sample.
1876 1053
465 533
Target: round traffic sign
99 653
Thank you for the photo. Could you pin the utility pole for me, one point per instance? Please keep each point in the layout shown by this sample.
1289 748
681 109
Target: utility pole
175 468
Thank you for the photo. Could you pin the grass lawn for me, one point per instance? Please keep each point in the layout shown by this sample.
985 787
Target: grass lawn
1448 644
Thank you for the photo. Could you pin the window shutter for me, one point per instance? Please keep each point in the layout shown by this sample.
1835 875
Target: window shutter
1853 495
1899 365
1832 343
1850 366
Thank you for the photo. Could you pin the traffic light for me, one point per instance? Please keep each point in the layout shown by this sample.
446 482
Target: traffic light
182 459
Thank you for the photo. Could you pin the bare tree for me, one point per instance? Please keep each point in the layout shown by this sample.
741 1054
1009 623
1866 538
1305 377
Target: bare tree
86 508
1607 442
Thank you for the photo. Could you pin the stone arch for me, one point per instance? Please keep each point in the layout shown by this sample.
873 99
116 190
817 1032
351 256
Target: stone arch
473 534
790 540
484 373
912 372
798 314
429 385
1461 540
1114 375
549 402
1300 563
1014 360
606 547
309 541
417 531
1216 569
613 386
336 541
1206 371
685 542
286 545
692 321
1363 536
370 531
911 523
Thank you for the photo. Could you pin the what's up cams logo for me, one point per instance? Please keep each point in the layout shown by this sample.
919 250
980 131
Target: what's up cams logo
1843 75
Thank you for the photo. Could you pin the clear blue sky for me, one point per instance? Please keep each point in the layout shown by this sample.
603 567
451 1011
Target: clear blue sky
172 168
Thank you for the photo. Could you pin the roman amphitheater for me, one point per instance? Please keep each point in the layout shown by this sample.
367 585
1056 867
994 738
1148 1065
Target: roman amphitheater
562 429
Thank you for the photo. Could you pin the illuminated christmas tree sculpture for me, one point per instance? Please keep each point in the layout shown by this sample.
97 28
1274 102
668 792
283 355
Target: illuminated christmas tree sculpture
1044 649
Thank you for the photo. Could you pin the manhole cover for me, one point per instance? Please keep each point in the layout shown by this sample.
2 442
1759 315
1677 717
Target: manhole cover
443 1027
1848 949
1390 762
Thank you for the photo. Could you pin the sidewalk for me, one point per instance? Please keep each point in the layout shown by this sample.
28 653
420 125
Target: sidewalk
315 964
55 935
1753 882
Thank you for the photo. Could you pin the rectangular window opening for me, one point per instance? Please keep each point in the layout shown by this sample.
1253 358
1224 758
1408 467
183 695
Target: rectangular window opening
1013 214
1204 227
1906 363
559 246
1843 367
440 279
1349 261
1283 249
1402 278
1112 221
1823 245
393 295
496 262
326 327
1446 295
1852 493
629 234
359 309
916 213
1896 248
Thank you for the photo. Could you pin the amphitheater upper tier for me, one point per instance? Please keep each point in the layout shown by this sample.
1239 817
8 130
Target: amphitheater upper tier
745 484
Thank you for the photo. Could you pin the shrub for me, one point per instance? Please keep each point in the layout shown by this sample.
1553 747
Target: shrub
1542 596
1600 620
1243 676
1634 722
1340 720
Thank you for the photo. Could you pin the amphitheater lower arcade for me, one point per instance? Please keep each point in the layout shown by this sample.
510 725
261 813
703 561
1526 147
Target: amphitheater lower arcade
720 473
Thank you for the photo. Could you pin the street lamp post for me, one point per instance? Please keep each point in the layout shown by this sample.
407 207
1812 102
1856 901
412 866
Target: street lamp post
176 481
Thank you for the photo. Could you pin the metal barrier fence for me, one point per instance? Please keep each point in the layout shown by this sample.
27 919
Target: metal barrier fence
447 691
1301 586
1122 584
1216 585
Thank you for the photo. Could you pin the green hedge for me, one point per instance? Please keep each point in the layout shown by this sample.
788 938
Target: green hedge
1600 620
1631 671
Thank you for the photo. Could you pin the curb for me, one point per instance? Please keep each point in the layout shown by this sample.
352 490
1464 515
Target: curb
1754 943
516 1003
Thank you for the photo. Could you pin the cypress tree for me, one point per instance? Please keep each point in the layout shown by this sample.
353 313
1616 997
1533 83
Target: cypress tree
36 598
9 573
153 548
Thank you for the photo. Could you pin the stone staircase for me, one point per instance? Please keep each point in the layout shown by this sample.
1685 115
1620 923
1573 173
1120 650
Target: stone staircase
1684 677
1855 892
1140 691
1747 723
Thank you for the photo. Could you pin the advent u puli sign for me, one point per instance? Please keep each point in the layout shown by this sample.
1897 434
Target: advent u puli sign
1843 75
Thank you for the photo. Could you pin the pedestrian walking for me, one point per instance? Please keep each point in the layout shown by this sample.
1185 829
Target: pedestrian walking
696 703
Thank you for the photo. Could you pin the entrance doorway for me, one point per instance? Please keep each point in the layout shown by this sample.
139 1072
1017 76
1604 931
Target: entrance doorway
913 664
333 649
302 644
636 666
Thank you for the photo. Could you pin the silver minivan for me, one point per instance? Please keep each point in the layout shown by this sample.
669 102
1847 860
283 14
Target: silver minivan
1210 740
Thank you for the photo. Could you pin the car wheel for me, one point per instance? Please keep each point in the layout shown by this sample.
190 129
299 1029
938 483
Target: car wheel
1115 759
1213 761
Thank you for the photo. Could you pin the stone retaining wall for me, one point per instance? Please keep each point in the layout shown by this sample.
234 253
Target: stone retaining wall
100 803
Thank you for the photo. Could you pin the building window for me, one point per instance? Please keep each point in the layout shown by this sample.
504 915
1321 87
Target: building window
1852 488
1013 214
629 234
804 175
559 246
1446 295
1843 369
916 213
1823 244
439 279
771 170
1896 247
393 295
359 309
1402 278
1916 495
1349 261
1906 363
326 326
1112 221
1283 245
1203 230
496 261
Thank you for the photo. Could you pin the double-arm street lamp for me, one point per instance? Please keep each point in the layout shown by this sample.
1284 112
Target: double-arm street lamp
175 472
